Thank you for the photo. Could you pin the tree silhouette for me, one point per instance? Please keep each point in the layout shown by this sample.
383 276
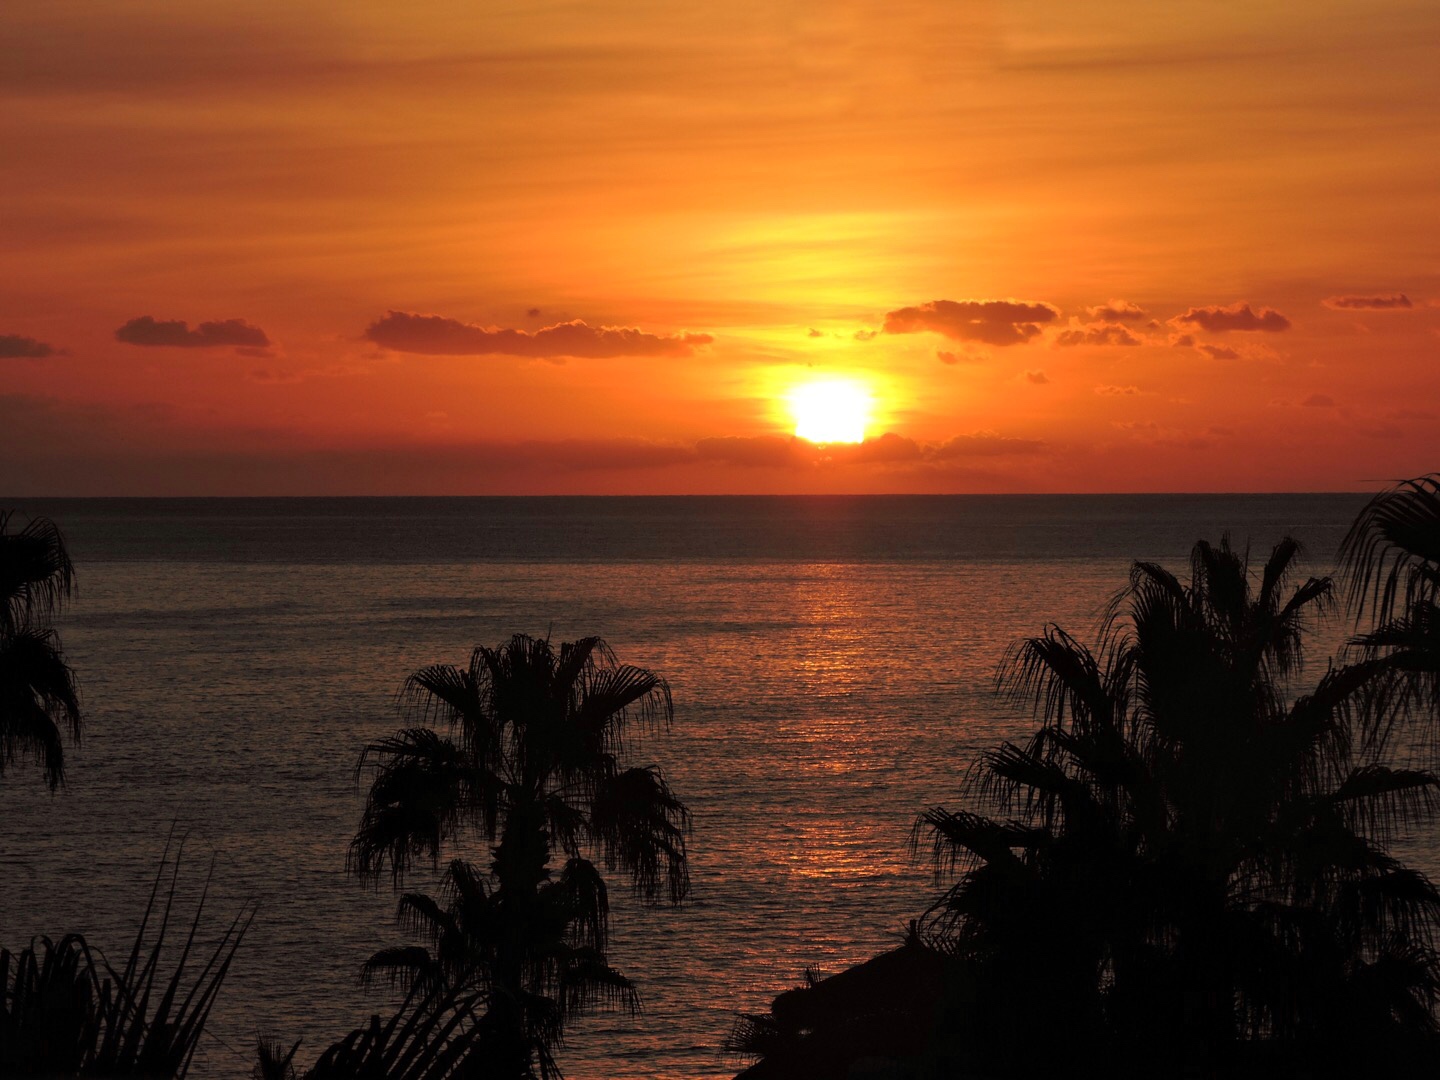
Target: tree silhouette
1391 556
37 688
1186 869
532 761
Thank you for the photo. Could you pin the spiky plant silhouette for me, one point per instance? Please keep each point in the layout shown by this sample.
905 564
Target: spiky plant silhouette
65 1011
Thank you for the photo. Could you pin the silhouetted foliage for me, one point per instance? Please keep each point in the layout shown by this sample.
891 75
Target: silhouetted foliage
66 1012
436 1035
912 1005
532 761
1391 556
37 688
1185 867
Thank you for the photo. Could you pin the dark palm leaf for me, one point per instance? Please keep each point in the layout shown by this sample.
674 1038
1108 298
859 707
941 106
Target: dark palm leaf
1392 551
38 697
36 575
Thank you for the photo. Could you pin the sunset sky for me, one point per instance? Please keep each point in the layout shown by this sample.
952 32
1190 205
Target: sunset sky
470 247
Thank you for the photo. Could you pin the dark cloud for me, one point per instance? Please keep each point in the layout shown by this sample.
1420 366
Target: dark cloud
1098 334
1118 311
532 313
761 450
984 444
176 333
865 335
1116 391
435 335
1319 401
269 375
1219 352
1399 302
1183 341
18 347
1219 320
778 451
964 356
1039 378
785 451
815 333
994 322
1414 414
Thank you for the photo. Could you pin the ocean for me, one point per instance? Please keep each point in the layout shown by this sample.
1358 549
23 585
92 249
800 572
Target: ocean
832 660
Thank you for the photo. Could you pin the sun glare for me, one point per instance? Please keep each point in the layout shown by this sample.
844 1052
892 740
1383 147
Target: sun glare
831 411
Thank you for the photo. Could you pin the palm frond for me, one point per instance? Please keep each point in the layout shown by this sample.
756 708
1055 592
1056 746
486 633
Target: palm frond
1393 548
640 826
36 574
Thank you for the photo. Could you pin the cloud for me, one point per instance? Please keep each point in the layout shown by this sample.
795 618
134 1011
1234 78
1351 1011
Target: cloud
1116 391
435 335
1399 302
269 375
984 444
1118 311
1413 414
780 451
1219 320
812 332
759 451
18 347
177 333
968 355
788 451
1098 334
993 322
1319 401
1182 341
865 335
1039 378
1219 352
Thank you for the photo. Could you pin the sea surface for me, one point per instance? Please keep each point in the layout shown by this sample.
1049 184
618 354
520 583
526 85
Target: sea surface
832 660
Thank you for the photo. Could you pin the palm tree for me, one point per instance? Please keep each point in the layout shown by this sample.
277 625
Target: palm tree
1188 863
1391 556
532 761
37 688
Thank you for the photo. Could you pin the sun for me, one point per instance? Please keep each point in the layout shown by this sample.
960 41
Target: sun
831 410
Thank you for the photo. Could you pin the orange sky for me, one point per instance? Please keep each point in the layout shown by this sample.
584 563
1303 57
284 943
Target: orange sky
615 237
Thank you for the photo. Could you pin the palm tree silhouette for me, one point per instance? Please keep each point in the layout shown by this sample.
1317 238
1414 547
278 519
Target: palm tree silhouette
1188 860
1391 557
534 762
37 688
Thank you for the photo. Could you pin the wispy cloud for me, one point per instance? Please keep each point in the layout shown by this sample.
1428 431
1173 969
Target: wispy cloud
1398 302
1118 311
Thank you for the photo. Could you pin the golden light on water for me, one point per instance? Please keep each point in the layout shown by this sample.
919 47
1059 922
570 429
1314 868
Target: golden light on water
831 410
